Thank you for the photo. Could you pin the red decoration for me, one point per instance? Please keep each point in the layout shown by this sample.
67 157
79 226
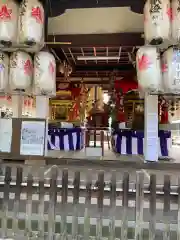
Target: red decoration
5 13
170 13
29 102
9 98
25 102
164 115
122 87
28 67
143 62
164 67
37 14
74 114
75 92
51 68
125 85
121 116
163 111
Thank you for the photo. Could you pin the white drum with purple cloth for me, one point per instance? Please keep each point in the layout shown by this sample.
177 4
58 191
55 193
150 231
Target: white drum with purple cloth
66 139
132 142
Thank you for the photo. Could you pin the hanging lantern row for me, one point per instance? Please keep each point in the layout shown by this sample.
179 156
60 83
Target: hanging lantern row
161 21
158 74
21 23
19 73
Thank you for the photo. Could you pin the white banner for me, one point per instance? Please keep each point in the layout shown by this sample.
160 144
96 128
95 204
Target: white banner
32 138
6 134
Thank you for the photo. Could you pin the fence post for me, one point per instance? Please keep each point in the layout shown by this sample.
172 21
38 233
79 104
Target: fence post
41 192
17 201
87 224
102 141
167 191
124 227
139 205
64 194
152 206
5 200
100 186
28 227
52 203
76 188
112 207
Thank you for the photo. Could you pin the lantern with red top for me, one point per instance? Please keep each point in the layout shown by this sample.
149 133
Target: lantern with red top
31 23
9 11
44 74
157 18
149 69
21 72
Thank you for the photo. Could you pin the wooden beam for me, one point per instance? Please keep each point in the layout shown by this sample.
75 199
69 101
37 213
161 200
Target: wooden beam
96 40
87 80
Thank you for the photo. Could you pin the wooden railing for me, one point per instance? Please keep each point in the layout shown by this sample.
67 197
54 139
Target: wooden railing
97 134
57 203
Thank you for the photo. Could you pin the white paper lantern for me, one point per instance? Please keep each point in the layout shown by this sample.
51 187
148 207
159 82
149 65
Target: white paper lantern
21 71
4 71
171 70
157 17
175 24
44 74
31 22
149 69
8 21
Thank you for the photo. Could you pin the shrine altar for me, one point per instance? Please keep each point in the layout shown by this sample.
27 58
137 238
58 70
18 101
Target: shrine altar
132 142
66 139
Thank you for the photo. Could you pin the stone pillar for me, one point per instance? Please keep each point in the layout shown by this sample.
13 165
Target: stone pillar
151 140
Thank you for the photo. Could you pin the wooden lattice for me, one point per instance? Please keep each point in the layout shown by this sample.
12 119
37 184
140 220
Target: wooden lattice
52 203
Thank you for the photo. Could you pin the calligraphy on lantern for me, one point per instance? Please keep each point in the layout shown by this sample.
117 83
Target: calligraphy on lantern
156 18
177 73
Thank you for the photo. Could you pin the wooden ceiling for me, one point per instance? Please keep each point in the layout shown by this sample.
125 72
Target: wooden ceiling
70 47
